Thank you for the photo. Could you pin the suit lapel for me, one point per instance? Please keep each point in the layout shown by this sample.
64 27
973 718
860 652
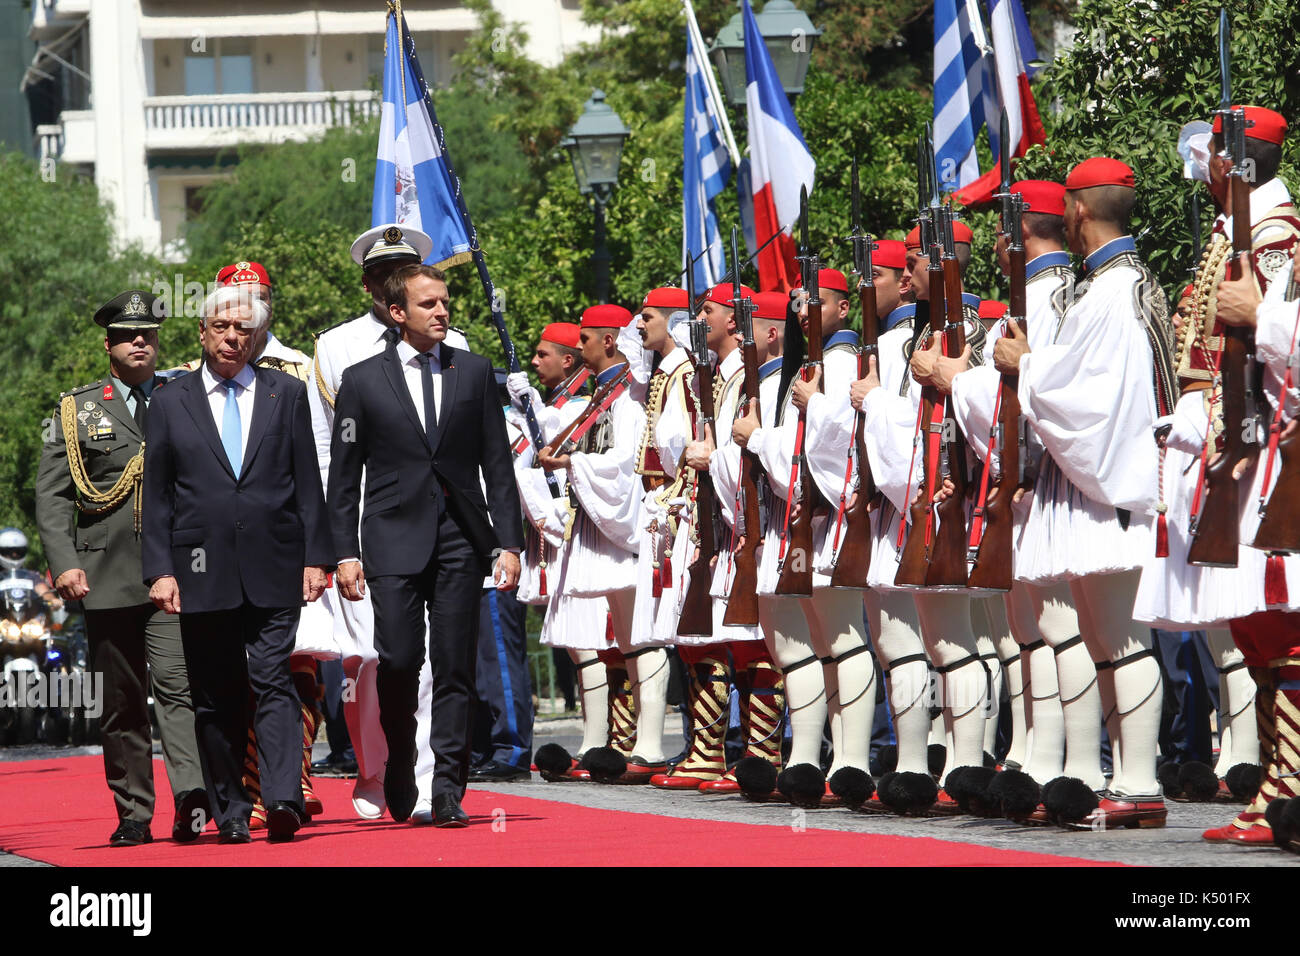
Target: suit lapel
450 376
266 398
195 400
393 372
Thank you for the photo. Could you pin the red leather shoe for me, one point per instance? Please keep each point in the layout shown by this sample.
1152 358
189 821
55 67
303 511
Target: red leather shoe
639 772
830 799
724 784
1117 812
944 806
677 781
1221 834
1251 836
1038 818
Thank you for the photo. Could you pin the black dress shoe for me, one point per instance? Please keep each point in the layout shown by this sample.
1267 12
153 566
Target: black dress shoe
447 812
400 792
130 833
192 815
494 772
282 821
341 765
234 831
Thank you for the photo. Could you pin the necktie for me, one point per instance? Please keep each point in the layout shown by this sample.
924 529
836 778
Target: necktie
141 407
430 409
232 439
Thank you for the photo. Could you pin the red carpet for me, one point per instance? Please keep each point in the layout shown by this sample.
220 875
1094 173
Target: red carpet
60 812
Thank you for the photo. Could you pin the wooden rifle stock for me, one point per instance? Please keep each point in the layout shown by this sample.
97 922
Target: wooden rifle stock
796 576
915 559
948 556
742 603
697 606
992 568
854 558
1216 530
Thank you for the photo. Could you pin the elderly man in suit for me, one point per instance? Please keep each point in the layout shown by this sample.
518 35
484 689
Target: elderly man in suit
235 541
423 420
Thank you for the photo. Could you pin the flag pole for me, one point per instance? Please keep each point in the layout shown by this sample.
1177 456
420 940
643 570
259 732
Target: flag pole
476 252
710 81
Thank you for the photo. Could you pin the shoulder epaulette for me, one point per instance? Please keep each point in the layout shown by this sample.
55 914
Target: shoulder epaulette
319 333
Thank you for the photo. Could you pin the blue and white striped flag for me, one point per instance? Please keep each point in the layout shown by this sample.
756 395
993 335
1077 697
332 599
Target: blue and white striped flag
413 186
959 74
706 168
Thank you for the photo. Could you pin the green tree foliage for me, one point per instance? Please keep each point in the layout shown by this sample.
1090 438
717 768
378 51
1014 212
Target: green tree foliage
1136 73
59 269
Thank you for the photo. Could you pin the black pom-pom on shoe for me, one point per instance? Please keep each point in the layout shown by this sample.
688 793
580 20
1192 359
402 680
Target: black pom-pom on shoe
853 786
757 778
604 763
552 761
1069 799
1198 781
911 794
803 785
1014 794
1243 781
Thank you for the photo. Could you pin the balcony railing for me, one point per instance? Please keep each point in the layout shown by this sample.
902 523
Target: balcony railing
179 121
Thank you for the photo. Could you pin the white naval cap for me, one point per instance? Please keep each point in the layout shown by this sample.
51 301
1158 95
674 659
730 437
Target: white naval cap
390 241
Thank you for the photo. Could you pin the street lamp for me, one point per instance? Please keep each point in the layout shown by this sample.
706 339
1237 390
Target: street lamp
595 146
789 36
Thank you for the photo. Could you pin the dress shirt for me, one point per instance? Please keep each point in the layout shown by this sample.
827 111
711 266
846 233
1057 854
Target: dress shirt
411 371
246 380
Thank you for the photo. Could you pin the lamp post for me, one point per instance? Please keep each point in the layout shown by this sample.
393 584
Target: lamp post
595 146
789 36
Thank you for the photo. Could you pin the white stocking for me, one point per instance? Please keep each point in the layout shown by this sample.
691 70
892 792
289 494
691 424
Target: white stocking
805 690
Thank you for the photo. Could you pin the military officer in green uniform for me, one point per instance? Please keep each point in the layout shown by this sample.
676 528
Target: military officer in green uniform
88 514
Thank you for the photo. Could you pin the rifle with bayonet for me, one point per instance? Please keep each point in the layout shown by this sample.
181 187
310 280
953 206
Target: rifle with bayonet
794 562
992 523
914 561
697 604
947 566
742 603
853 521
1215 526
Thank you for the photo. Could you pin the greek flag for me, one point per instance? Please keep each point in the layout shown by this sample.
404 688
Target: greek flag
706 168
959 75
413 184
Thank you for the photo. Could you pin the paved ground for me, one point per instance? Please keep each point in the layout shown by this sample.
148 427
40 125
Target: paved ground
1177 844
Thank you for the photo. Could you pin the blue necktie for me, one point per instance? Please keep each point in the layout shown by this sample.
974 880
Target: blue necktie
231 433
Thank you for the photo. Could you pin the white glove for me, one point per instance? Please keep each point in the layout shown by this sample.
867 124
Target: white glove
522 394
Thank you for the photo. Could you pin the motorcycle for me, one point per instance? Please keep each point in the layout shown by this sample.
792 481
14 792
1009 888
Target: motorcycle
24 633
66 654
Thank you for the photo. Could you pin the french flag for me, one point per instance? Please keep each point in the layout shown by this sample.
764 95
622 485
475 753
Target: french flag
780 163
1014 51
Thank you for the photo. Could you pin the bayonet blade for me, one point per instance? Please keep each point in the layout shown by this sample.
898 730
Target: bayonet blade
1005 159
1225 61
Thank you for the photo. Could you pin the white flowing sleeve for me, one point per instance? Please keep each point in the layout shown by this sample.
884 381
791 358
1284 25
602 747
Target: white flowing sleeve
1090 397
607 485
674 429
322 412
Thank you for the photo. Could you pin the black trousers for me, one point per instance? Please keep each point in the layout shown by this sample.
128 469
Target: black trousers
122 642
503 719
447 590
229 652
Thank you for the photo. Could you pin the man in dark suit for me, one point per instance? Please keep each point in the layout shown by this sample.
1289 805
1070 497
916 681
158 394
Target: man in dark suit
235 540
423 420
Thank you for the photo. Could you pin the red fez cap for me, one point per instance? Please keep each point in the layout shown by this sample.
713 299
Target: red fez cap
992 309
562 333
913 240
243 273
832 279
1191 287
890 254
606 317
1100 171
961 233
1261 123
668 297
771 305
1042 196
723 292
